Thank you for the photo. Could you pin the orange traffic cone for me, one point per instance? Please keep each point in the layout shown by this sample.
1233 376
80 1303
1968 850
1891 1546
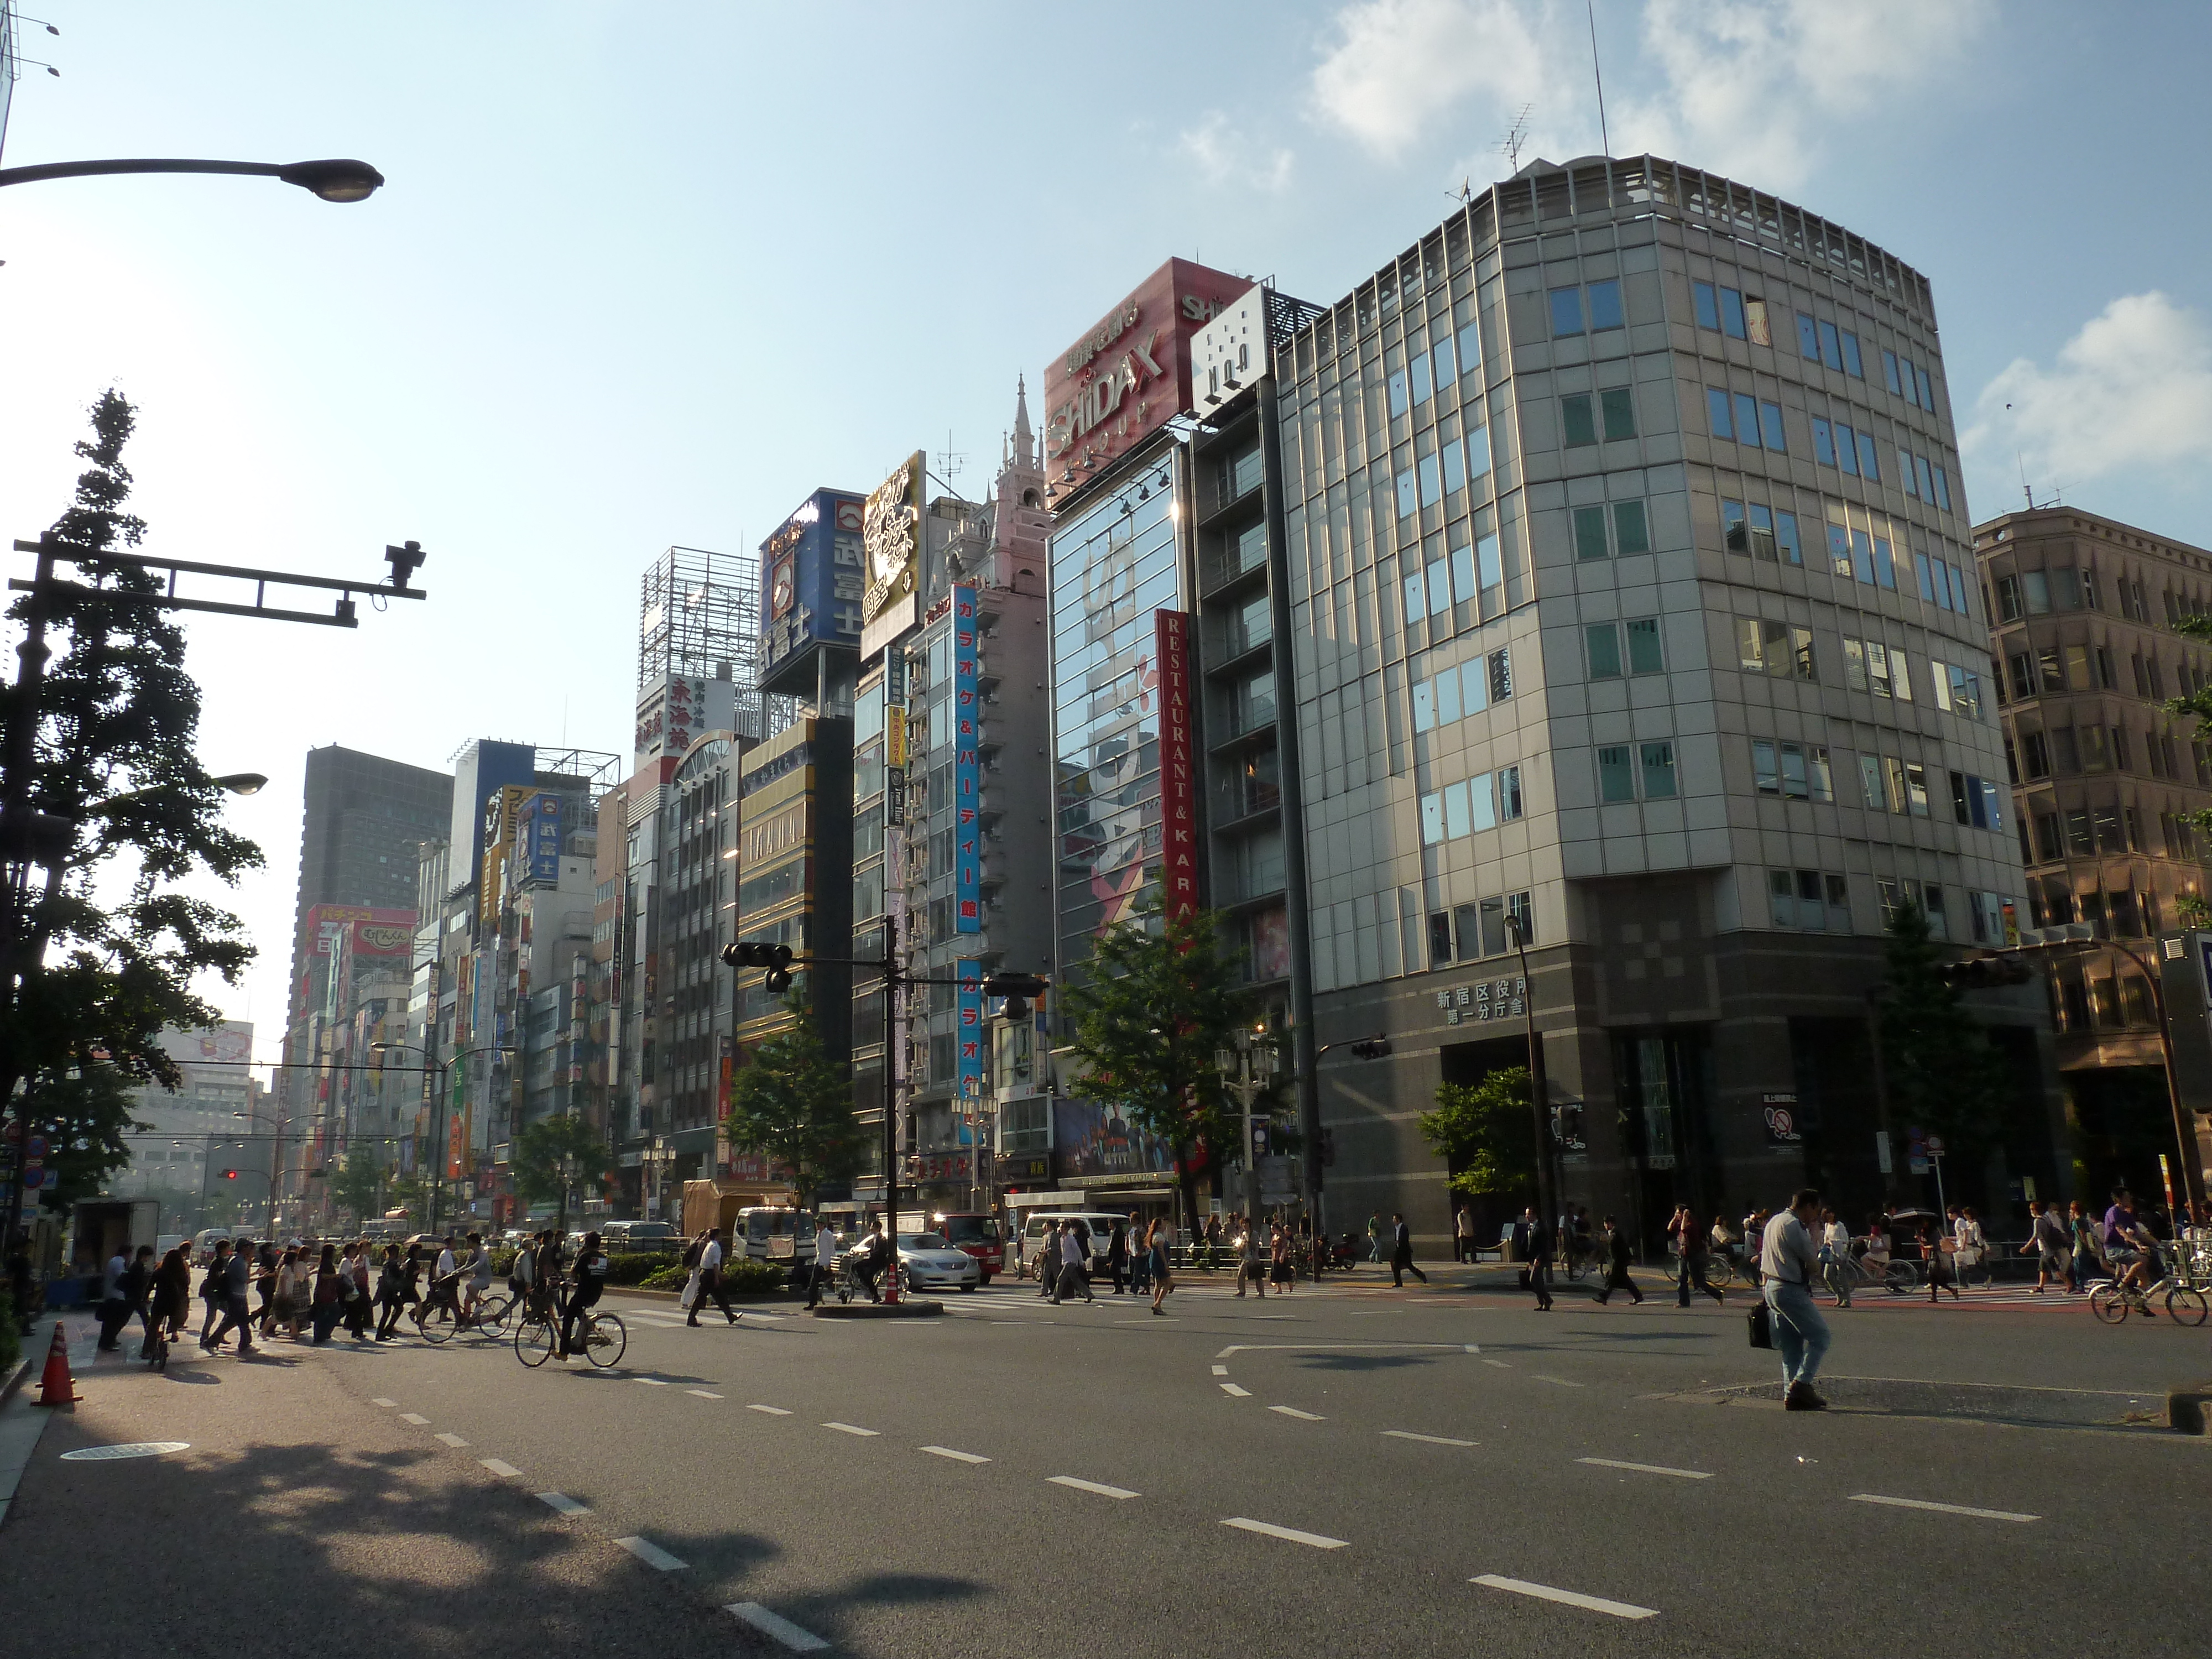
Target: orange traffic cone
56 1386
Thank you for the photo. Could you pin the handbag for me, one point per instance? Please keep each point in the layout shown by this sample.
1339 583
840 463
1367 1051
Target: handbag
1761 1325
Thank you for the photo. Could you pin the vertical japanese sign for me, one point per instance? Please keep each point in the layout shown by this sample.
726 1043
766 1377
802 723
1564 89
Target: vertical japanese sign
967 769
1178 767
895 734
970 1070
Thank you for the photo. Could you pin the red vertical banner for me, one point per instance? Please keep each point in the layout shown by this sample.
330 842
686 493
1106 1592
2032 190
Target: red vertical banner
1178 766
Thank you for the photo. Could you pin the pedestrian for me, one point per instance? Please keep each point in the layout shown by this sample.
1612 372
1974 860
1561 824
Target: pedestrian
359 1307
390 1293
1140 1257
1278 1255
114 1302
1462 1234
1402 1253
285 1307
2086 1261
172 1291
1875 1261
1935 1251
709 1281
265 1263
826 1263
1836 1257
1969 1241
1539 1259
1375 1239
326 1290
1787 1260
212 1291
2047 1243
1074 1256
238 1271
1117 1253
138 1292
1157 1243
1048 1264
1616 1270
1691 1249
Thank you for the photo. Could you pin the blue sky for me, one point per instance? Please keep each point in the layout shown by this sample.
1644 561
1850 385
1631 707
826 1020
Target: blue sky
646 275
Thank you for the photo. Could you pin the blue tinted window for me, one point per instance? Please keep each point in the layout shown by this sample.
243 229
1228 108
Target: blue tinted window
1889 370
1851 363
1716 411
1942 491
1702 301
1473 684
1869 462
1603 642
1785 537
1862 557
1440 596
1605 305
1478 452
1409 495
1455 467
1924 568
1885 568
1808 338
1398 392
1488 564
1416 598
1762 533
1839 550
1446 373
1926 483
1832 353
1927 391
1433 486
1911 386
1733 537
1824 443
1463 564
1418 370
1847 450
1732 314
1470 349
1904 471
1769 427
1447 684
1746 419
1566 311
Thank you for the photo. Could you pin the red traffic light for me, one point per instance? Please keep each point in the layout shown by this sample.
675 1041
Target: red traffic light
230 1175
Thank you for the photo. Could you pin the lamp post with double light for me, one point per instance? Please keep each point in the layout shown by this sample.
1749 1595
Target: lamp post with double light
438 1069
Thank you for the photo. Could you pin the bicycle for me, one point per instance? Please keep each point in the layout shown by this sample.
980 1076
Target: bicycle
1719 1270
2110 1301
601 1338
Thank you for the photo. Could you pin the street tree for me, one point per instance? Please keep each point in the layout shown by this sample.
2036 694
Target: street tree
104 947
1160 998
1485 1134
1940 1073
791 1104
553 1156
358 1179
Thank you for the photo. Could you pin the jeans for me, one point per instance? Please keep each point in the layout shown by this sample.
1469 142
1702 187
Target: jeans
235 1318
1798 1331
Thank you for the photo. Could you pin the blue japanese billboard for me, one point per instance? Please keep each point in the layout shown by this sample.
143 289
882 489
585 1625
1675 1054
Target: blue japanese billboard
967 770
813 572
970 1072
537 838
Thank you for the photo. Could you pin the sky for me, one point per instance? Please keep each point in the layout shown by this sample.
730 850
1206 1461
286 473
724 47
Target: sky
643 277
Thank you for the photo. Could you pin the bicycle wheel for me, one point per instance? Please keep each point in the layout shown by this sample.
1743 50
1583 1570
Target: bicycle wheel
1901 1278
492 1316
436 1323
608 1341
2185 1306
1719 1272
535 1340
2109 1302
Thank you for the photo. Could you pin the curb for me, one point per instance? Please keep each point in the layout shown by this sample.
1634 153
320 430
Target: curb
2184 1408
15 1380
881 1311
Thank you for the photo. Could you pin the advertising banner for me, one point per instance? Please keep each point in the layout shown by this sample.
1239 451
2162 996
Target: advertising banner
375 932
539 838
967 769
1088 1138
970 1073
813 577
1178 766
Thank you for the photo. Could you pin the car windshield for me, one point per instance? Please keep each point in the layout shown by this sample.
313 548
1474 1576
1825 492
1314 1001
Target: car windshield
971 1229
922 1241
650 1230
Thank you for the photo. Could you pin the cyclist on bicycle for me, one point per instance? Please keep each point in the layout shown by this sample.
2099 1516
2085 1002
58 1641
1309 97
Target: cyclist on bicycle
545 1274
2129 1245
479 1280
444 1279
591 1278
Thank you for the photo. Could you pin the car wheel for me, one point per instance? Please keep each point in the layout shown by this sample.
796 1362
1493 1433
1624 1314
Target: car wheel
968 1288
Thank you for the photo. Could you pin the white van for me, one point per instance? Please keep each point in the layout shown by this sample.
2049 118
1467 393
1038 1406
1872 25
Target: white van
1101 1223
772 1233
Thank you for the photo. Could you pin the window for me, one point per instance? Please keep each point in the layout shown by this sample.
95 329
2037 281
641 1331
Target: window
1602 641
1704 304
1746 419
1605 311
1575 418
1762 533
1589 532
1808 338
1769 427
1431 478
1616 778
1417 372
1455 464
1629 534
1889 370
1927 389
1440 938
1796 771
1658 767
1785 537
1409 497
1775 649
1869 462
1446 371
1478 452
1832 351
1566 311
1501 674
1732 313
1398 394
1824 443
1766 767
1618 406
1643 653
1717 413
1852 364
1927 482
1523 915
1470 347
1510 805
1811 899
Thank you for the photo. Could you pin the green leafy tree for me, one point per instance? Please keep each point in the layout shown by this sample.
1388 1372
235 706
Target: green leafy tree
1940 1073
106 949
553 1156
1158 1000
791 1102
1484 1133
355 1182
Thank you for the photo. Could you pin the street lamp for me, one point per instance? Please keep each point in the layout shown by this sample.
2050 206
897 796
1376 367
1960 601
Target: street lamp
332 180
1539 1088
1252 1061
438 1181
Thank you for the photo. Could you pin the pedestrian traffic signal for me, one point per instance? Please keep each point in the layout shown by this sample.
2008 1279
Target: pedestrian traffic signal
776 958
1986 973
1373 1048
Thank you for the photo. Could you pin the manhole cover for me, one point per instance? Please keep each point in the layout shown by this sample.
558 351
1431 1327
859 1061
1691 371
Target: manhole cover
136 1449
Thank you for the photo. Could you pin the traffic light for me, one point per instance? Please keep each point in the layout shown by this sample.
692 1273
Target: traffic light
1373 1048
1986 973
776 958
230 1175
1019 989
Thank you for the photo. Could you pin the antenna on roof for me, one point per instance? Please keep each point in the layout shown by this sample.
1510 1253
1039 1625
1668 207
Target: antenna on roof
1465 193
1598 75
948 459
1516 136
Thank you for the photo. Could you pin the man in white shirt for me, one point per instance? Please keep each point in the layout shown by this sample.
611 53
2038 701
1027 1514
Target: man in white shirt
710 1279
826 1263
1787 1259
1836 1256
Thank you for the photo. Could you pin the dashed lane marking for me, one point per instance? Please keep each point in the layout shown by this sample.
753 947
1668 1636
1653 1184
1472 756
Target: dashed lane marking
563 1502
500 1467
416 1418
1293 1411
702 1394
849 1428
773 1411
1288 1534
1941 1509
453 1440
386 1403
1500 1364
1541 1377
1091 1487
956 1457
1236 1393
652 1382
1570 1598
777 1627
1645 1468
1425 1439
1221 1371
651 1553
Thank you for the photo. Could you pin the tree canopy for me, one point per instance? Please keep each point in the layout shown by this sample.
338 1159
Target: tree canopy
553 1156
1940 1073
791 1104
1158 1000
106 949
1484 1133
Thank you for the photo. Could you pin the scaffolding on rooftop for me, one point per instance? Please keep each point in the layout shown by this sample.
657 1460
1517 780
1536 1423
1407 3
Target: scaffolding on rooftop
699 618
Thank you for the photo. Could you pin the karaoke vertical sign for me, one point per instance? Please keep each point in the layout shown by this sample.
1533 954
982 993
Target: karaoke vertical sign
1178 766
967 770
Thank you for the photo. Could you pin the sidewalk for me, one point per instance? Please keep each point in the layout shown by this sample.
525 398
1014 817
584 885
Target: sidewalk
299 1520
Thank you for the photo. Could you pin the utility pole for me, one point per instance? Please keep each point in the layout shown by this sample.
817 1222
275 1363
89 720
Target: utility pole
1540 1104
1252 1062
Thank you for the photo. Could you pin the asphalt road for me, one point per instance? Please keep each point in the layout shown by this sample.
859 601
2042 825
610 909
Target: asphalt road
1356 1471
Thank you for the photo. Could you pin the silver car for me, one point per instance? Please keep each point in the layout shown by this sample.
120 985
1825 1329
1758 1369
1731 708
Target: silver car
933 1263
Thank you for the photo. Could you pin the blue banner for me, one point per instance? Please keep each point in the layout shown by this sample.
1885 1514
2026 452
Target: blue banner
541 829
973 1035
967 770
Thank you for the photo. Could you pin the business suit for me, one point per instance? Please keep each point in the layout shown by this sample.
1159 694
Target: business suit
1402 1256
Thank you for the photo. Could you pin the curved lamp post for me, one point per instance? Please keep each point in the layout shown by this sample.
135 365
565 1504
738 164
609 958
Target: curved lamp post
334 181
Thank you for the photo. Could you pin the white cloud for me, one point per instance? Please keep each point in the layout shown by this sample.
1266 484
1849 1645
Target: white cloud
2132 389
1226 156
1751 87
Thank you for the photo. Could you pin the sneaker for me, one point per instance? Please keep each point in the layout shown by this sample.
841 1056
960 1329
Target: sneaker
1801 1398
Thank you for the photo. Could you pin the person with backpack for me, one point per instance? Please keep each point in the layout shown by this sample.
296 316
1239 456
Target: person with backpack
590 1279
212 1291
390 1293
